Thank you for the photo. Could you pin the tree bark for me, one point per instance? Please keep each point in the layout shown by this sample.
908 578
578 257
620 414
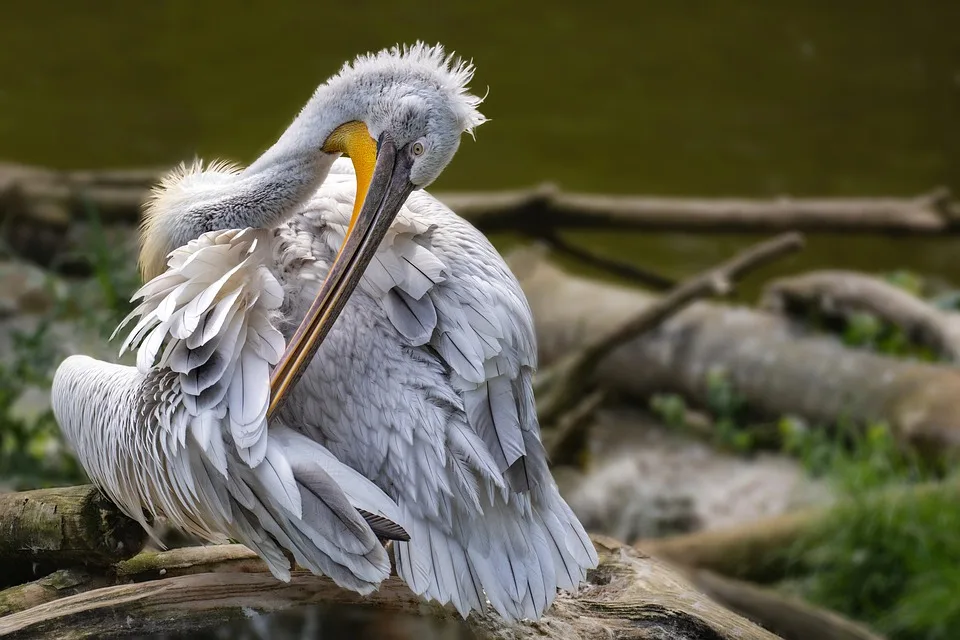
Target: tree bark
843 293
775 367
59 584
64 527
628 596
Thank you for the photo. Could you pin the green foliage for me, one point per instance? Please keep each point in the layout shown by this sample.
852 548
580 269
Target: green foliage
731 428
866 331
889 562
671 408
32 451
729 412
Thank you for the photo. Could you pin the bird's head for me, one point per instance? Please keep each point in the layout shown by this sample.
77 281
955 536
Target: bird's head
413 99
423 103
400 114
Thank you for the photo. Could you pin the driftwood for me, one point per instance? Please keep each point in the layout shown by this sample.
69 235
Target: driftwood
560 387
50 197
64 527
775 367
843 293
628 596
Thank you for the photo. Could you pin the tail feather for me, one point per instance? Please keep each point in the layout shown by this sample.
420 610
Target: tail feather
516 555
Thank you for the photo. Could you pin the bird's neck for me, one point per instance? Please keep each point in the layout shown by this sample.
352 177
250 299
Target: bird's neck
264 195
273 187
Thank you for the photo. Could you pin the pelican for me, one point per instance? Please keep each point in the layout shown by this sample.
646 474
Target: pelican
329 358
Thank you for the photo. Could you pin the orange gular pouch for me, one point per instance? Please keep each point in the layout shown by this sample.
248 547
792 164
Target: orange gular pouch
353 140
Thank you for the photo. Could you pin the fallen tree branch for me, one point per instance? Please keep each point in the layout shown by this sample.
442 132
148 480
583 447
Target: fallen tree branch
562 385
627 596
789 617
843 293
59 584
63 527
759 551
772 366
221 558
567 439
46 196
620 269
764 550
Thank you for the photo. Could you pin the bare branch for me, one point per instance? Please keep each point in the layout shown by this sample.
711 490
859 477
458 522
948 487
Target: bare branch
59 584
620 269
54 197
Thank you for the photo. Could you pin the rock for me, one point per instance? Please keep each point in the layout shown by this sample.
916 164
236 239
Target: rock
648 481
25 289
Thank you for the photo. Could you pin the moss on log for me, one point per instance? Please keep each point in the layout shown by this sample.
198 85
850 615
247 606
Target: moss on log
65 527
59 584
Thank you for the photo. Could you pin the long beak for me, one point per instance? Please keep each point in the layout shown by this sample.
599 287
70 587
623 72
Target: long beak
389 188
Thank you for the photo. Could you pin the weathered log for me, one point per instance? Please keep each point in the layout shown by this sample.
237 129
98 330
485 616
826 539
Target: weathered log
760 551
56 197
789 617
59 584
561 387
628 596
843 293
764 550
64 527
771 363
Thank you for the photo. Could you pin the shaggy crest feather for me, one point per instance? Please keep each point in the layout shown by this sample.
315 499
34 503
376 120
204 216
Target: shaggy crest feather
450 72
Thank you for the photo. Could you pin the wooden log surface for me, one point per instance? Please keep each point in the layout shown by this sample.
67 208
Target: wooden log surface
844 293
64 527
772 364
59 584
628 596
59 197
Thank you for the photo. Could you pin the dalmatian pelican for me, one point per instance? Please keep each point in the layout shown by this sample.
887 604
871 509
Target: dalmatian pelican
329 358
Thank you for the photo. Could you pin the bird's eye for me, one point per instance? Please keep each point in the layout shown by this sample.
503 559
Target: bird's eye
417 148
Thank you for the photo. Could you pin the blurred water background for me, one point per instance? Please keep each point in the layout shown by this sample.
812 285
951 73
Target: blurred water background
748 98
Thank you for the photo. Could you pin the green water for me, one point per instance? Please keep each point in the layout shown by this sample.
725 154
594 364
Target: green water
708 98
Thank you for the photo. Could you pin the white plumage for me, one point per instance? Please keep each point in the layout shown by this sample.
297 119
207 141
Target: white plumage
415 416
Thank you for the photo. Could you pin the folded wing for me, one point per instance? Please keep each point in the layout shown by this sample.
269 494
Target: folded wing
184 434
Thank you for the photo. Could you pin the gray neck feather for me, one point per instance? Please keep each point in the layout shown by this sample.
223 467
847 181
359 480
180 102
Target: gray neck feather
270 190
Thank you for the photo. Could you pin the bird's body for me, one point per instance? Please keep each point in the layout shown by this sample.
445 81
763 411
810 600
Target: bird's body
415 419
